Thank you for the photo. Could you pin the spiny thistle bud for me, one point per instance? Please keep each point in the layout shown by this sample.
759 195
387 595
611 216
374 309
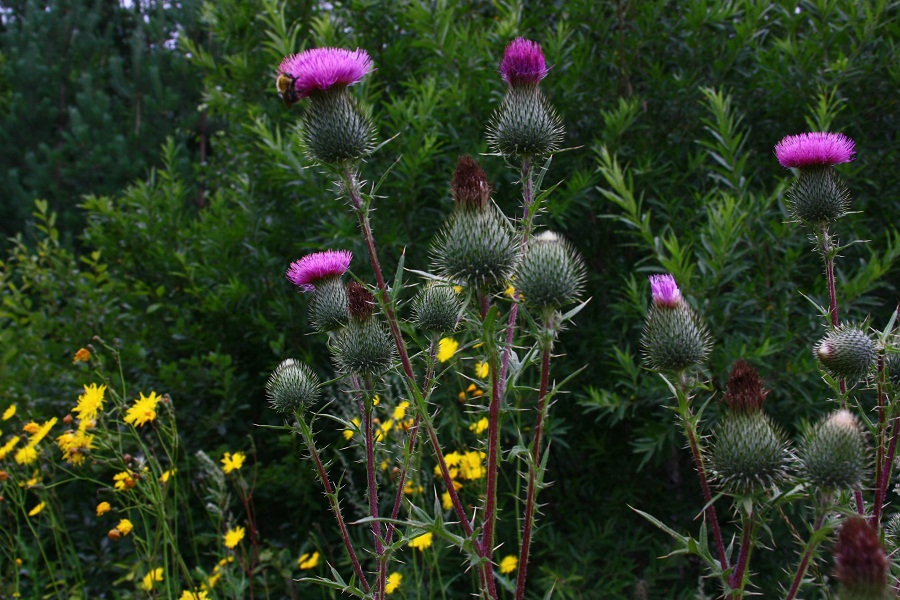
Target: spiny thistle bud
477 245
846 352
818 196
364 348
335 129
674 336
292 387
437 309
525 124
551 274
360 302
470 186
833 452
860 564
320 273
892 533
892 369
750 453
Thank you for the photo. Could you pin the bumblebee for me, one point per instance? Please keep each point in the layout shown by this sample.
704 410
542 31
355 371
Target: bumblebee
289 93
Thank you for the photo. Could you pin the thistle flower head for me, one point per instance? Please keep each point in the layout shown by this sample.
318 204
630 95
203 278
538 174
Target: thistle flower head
292 386
745 391
551 274
437 309
833 452
846 352
860 564
312 268
749 453
815 149
665 291
470 186
523 63
360 301
321 69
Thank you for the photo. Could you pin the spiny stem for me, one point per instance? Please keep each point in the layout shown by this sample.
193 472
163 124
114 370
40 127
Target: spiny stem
804 562
736 581
366 409
332 500
493 465
530 503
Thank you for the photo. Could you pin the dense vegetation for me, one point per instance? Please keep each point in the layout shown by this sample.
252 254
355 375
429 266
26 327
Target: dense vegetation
173 194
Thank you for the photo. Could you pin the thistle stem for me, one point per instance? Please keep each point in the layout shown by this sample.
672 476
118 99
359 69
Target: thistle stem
736 580
886 472
332 500
880 471
493 465
373 490
828 257
687 422
810 548
530 503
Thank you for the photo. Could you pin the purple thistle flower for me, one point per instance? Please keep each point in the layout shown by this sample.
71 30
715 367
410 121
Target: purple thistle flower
665 291
312 268
816 148
523 63
320 69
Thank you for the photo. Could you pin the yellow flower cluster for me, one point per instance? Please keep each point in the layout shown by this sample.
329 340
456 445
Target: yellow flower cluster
143 410
473 391
308 561
125 480
152 577
29 454
76 444
468 466
422 542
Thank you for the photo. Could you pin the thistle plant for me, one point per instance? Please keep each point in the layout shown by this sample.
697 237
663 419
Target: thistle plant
477 254
747 459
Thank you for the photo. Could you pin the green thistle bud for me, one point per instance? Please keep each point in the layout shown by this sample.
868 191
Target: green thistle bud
818 196
477 245
860 564
674 336
525 124
750 453
328 307
892 369
292 387
833 452
892 533
846 352
364 348
437 309
335 129
551 274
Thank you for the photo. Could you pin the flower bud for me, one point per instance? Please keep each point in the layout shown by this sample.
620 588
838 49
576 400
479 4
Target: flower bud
551 274
744 393
846 352
437 309
360 301
335 129
860 564
477 245
892 369
364 348
749 453
833 452
674 337
525 124
292 387
328 307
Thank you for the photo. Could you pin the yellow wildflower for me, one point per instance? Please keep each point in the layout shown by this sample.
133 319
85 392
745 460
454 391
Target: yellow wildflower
74 445
201 595
125 480
124 527
411 488
164 478
9 412
393 582
154 576
447 347
31 428
376 400
510 291
383 430
103 508
8 446
508 564
458 289
37 509
422 542
224 562
26 455
308 560
471 466
212 581
143 410
479 426
452 461
446 501
233 462
233 537
90 403
348 433
400 410
482 370
83 355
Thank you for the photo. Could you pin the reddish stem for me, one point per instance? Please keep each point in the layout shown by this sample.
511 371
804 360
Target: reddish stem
736 581
886 468
490 509
707 496
532 476
804 562
373 490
